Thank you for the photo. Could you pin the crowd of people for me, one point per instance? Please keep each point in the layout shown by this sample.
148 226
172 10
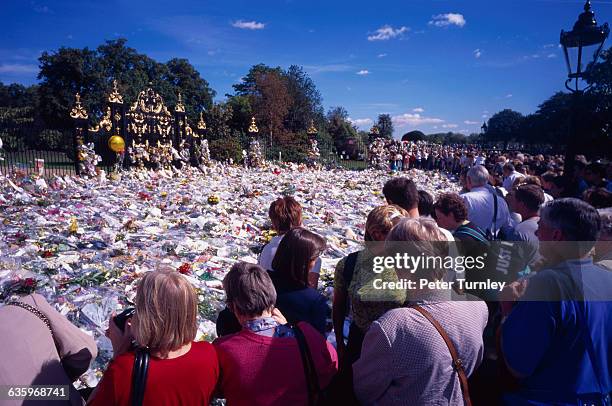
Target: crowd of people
546 338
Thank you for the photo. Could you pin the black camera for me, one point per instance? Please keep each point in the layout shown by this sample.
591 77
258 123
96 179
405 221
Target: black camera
123 317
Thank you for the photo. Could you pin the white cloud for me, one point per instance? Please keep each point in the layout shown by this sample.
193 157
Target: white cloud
363 72
248 25
449 126
387 32
15 68
477 53
485 116
551 55
444 20
418 110
408 119
549 46
469 122
361 122
381 55
508 96
314 69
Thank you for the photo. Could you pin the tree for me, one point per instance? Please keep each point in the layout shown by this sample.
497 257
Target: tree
339 128
248 84
271 103
385 126
14 125
415 135
217 120
505 126
91 73
64 73
16 95
306 99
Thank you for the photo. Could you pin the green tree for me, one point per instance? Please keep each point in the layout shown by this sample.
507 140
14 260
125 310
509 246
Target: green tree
306 101
217 120
415 135
242 111
91 73
385 126
248 84
505 126
64 73
271 104
339 128
15 123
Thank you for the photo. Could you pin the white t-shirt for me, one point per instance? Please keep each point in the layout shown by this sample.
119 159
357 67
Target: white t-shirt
268 252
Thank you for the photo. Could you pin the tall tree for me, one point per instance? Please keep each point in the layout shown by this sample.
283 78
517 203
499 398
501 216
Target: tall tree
271 103
248 84
385 126
339 128
91 72
306 99
505 126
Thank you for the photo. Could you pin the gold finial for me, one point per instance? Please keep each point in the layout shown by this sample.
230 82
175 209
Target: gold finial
78 111
312 129
115 97
253 127
201 123
179 106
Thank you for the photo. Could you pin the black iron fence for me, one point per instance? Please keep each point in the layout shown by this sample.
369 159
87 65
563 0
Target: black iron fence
42 163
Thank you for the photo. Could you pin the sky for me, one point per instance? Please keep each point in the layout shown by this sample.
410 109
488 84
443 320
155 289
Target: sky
433 65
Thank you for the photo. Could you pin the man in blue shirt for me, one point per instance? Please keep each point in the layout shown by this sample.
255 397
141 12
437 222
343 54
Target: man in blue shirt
558 339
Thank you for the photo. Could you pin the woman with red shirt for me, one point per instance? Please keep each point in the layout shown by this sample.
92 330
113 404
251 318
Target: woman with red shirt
180 372
262 365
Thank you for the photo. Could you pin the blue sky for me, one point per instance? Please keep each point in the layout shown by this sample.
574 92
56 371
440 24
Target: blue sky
433 65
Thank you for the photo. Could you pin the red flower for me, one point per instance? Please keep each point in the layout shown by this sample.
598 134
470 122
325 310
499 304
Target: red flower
29 283
144 196
47 254
185 269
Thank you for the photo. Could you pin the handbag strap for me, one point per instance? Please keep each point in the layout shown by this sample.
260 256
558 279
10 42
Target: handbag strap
139 376
312 380
494 221
457 363
35 312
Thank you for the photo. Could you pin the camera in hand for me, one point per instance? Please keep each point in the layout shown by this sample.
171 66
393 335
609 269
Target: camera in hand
123 317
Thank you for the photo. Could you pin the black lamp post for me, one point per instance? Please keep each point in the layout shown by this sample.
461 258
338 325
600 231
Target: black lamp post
584 38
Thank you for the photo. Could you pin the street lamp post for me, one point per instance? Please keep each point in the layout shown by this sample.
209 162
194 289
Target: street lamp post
586 36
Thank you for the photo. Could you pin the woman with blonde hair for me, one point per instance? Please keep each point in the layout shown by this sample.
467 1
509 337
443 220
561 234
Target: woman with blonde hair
179 371
353 282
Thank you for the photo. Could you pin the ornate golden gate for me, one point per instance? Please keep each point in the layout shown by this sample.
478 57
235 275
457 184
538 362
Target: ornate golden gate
153 136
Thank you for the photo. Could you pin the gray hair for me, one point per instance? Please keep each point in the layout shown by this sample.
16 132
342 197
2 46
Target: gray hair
478 175
416 237
606 220
579 221
249 289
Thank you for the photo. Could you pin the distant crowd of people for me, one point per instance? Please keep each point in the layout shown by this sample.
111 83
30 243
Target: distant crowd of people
545 339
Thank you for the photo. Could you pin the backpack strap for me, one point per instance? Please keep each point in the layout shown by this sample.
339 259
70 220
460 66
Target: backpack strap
139 376
310 372
349 268
494 221
457 363
472 233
